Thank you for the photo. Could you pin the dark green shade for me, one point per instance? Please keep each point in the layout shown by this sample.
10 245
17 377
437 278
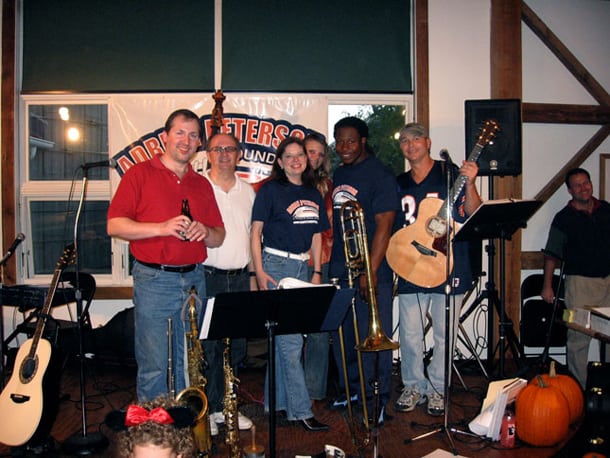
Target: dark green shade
116 46
168 46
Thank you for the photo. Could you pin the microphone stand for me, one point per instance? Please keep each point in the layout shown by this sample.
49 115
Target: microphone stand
449 327
82 443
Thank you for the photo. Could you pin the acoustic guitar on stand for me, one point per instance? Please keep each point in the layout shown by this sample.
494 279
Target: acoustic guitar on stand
418 252
21 401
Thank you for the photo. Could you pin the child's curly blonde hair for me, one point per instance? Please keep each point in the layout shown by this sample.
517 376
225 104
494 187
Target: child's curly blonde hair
163 422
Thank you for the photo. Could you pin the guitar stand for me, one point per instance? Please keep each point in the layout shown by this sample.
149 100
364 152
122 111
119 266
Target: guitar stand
498 219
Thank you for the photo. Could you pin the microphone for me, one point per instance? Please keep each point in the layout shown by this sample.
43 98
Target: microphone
107 163
20 238
445 156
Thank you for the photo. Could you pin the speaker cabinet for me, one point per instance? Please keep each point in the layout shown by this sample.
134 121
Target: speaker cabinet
501 157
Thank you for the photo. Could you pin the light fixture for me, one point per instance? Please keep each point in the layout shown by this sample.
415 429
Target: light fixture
73 134
64 113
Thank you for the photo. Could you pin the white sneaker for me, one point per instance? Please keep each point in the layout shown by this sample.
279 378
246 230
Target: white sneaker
242 421
213 427
409 398
436 404
217 418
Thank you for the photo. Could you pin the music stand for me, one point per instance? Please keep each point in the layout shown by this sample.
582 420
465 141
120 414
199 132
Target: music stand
498 219
275 312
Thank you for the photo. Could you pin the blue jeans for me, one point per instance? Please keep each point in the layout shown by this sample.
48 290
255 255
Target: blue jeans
290 390
384 375
158 296
214 349
412 311
315 358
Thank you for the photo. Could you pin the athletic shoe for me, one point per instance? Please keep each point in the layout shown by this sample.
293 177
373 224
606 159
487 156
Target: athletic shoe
243 421
213 427
436 404
408 400
341 401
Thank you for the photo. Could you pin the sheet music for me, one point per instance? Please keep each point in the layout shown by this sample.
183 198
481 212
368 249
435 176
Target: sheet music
291 282
207 319
499 394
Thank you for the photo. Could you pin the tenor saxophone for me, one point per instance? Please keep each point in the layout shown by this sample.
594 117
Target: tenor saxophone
229 408
194 394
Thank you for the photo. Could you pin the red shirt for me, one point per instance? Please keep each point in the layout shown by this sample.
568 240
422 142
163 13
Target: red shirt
150 192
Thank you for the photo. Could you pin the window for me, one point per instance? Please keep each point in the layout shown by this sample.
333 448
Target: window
384 117
57 139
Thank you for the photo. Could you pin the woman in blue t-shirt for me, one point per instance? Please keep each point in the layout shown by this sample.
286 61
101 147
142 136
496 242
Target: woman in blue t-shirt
287 220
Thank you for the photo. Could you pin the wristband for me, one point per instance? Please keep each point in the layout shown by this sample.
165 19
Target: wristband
317 272
252 274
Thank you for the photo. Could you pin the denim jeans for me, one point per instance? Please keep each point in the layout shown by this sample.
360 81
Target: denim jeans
315 357
158 296
384 373
412 311
290 391
214 349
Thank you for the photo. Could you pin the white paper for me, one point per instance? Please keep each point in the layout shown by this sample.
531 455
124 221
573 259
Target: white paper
207 318
499 394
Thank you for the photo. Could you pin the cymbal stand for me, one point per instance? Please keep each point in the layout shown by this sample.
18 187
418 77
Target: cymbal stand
82 443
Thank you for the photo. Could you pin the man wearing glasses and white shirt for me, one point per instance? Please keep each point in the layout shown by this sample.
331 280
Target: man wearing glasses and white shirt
228 267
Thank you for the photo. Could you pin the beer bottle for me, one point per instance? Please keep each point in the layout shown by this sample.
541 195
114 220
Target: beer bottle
186 211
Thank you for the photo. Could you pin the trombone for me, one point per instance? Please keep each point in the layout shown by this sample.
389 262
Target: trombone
357 261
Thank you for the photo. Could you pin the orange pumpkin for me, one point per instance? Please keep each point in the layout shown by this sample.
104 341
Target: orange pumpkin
570 389
542 416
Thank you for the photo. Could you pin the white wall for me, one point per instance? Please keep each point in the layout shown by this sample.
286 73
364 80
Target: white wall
459 70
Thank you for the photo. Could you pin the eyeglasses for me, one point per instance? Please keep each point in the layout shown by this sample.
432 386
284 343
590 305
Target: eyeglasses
224 149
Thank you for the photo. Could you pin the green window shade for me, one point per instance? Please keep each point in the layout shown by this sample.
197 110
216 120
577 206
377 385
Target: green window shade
168 46
317 46
115 46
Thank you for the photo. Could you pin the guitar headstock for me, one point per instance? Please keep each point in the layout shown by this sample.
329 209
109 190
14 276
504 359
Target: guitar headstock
68 257
488 132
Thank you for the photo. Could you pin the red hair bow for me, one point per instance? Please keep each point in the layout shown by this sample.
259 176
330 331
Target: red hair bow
137 415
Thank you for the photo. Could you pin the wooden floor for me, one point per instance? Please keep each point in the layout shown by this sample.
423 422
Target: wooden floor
113 387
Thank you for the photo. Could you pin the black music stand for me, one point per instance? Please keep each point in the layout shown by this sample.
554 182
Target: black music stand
498 219
275 312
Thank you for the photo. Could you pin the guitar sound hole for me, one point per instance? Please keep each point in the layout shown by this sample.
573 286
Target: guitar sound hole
28 369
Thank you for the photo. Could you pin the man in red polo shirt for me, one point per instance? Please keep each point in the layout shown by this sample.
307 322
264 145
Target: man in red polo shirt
168 246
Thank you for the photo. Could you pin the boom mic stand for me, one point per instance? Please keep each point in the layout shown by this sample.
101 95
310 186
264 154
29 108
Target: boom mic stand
82 443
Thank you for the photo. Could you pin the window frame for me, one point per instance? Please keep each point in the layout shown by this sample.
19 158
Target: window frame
29 191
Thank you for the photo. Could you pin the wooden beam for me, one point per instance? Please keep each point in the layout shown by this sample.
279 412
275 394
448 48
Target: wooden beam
581 156
558 113
422 64
7 141
506 82
532 260
564 55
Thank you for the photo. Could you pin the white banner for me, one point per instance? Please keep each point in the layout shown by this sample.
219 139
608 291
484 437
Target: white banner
260 122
